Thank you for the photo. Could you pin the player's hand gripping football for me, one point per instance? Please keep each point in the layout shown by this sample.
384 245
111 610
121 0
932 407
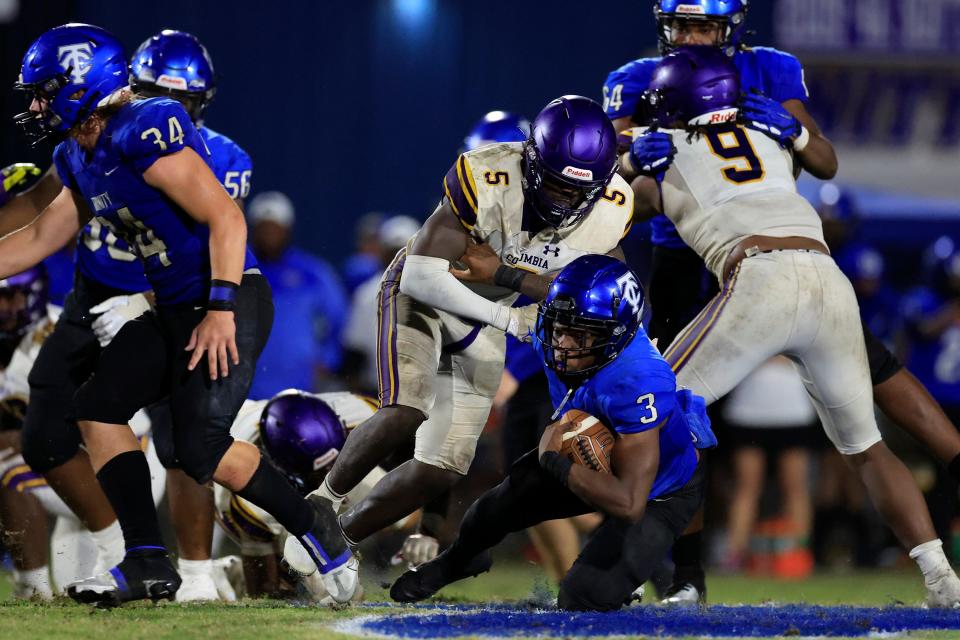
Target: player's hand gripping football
215 336
552 438
481 263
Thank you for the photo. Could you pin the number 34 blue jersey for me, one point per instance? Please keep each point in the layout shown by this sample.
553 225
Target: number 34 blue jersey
637 392
173 248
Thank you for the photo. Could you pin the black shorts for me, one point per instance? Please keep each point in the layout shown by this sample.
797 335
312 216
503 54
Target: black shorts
883 364
680 286
66 359
146 362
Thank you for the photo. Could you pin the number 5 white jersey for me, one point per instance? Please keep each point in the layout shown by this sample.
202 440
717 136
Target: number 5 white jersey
730 182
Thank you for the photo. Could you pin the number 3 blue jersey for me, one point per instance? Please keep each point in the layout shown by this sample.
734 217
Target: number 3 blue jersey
105 258
172 247
774 73
636 392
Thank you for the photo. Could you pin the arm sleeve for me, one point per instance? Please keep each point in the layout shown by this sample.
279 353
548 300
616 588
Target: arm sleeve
429 281
160 128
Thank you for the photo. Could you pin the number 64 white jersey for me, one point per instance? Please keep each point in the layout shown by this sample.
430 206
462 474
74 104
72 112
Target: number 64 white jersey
729 182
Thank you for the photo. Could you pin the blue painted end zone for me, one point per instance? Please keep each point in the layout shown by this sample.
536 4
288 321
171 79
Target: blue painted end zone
716 621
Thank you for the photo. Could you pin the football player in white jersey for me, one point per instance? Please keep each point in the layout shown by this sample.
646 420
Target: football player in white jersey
538 205
26 500
302 433
731 194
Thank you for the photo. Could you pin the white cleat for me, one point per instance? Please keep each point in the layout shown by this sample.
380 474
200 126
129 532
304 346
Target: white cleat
686 596
636 597
198 588
341 583
944 592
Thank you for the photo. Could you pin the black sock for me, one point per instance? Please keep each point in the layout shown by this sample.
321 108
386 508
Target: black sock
687 558
954 467
126 481
270 491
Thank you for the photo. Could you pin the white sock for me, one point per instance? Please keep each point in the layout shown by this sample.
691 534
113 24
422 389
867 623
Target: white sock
195 567
110 545
34 582
932 561
324 491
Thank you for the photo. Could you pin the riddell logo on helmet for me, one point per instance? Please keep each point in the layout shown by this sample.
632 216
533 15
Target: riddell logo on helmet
579 174
690 8
723 116
172 82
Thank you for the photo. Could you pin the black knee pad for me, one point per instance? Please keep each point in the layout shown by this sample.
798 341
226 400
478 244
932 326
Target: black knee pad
574 596
200 454
883 364
161 430
49 438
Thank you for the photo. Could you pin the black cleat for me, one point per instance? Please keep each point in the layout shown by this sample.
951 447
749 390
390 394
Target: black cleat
141 575
424 581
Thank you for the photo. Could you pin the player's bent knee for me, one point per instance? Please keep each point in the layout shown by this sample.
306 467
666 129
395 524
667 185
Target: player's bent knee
575 596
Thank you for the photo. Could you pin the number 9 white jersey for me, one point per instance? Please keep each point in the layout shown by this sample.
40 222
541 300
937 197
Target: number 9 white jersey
731 182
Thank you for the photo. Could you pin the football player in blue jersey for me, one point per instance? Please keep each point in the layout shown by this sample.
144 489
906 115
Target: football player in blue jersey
599 360
140 167
110 282
773 81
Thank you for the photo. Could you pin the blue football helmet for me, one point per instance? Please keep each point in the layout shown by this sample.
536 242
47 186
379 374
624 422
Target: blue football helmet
695 85
303 435
599 297
497 126
730 14
569 159
68 71
174 63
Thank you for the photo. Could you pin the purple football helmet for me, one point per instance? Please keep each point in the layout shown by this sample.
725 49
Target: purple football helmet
693 85
23 301
302 434
569 159
731 15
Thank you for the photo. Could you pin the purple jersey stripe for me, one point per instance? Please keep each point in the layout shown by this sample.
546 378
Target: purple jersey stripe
387 372
684 346
463 207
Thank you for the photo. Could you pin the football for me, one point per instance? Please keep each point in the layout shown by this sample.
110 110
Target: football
590 443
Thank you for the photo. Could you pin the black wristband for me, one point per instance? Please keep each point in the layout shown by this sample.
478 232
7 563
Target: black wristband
556 465
223 295
954 467
509 277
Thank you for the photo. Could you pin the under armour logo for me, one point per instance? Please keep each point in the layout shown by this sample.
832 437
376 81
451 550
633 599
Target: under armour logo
630 289
75 59
547 250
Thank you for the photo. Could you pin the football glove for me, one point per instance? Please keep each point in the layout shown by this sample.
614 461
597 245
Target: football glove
15 177
116 312
768 116
652 153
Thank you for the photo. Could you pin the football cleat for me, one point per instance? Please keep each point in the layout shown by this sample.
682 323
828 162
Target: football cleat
685 595
139 576
944 592
324 549
424 581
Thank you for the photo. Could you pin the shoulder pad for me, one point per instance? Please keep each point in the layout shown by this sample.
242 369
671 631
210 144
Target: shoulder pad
152 128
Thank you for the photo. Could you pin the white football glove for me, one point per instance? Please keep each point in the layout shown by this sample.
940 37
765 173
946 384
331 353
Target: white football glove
522 323
116 312
418 548
341 583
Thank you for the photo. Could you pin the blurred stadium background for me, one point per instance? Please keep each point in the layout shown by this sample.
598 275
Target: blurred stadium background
357 107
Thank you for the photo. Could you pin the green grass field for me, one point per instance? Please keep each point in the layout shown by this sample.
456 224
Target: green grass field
265 620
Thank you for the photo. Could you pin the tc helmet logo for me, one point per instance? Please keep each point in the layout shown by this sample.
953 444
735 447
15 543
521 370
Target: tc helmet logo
631 292
75 60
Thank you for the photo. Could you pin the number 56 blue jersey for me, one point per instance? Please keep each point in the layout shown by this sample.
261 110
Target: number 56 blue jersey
637 392
173 248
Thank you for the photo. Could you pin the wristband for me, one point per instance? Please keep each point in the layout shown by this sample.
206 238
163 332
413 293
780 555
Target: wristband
801 141
556 465
508 277
223 295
